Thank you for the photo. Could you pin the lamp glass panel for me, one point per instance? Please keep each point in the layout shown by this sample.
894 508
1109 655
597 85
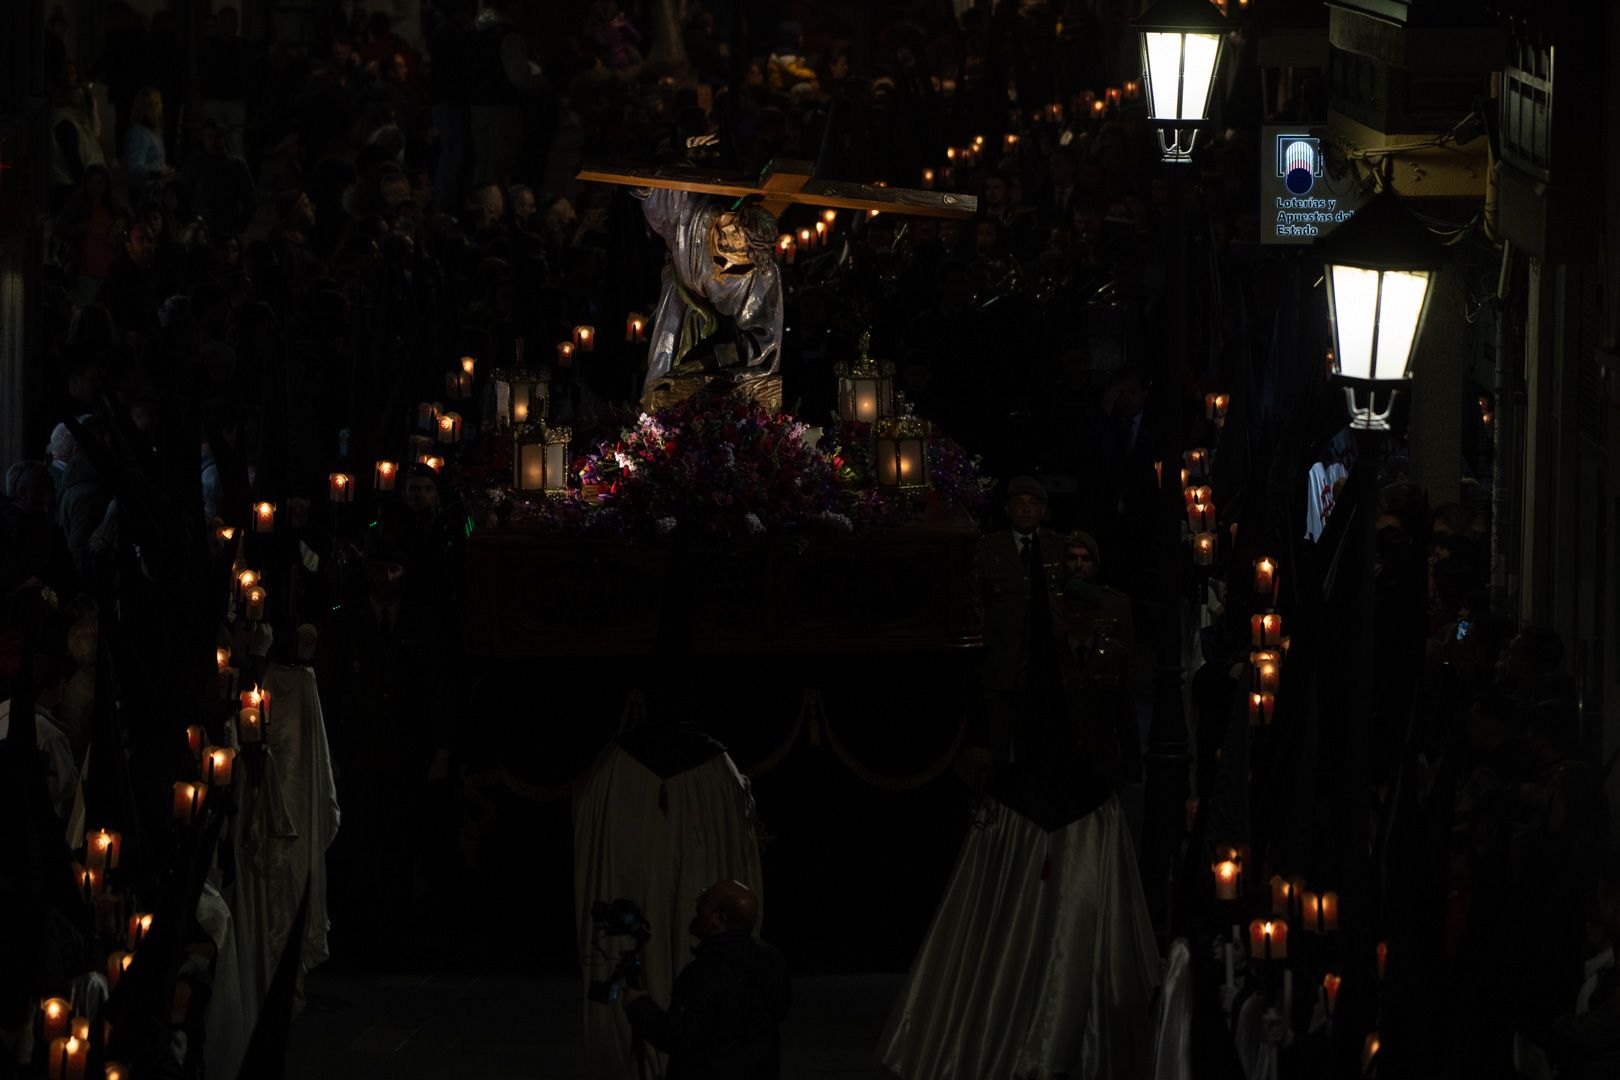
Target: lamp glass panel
520 402
556 478
888 461
1198 74
1355 315
1162 51
532 457
1399 308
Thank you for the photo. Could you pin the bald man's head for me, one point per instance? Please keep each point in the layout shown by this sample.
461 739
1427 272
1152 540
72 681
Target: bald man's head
726 907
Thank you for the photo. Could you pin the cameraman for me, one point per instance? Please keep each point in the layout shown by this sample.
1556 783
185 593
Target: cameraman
722 1020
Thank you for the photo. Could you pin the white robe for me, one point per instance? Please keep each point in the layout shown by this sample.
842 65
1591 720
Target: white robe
626 847
1020 977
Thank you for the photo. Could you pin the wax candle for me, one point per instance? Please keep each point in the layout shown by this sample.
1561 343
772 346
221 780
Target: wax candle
117 1070
118 963
1262 707
1265 630
1197 460
1265 575
450 427
77 1054
468 364
225 534
1330 911
140 926
1330 989
585 338
1226 880
807 239
218 765
254 603
249 725
382 475
1115 94
1268 939
434 462
1281 894
1310 913
56 1059
1201 516
1054 112
928 179
188 800
90 884
565 354
245 580
1098 107
264 517
258 698
340 487
951 153
1383 958
635 324
1204 549
81 1029
55 1013
195 740
1233 855
426 413
1267 670
458 385
1133 89
787 248
102 850
421 446
1369 1050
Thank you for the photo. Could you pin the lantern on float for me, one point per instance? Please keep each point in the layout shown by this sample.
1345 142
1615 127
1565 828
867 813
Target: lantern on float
540 458
865 386
901 451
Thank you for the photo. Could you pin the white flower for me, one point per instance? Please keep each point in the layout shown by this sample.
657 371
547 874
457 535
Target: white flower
665 525
48 594
837 521
626 462
754 524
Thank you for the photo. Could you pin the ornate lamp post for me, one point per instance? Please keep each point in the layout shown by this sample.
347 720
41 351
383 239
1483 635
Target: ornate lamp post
1379 269
1181 51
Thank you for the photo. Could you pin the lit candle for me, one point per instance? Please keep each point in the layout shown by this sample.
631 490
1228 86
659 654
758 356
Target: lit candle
55 1012
821 234
421 446
928 179
1158 473
102 850
433 462
1201 516
1115 94
635 325
1265 630
807 239
1226 880
225 534
585 338
90 884
245 580
1262 706
118 963
951 153
254 603
1281 894
1054 112
340 487
1330 911
117 1070
1197 460
77 1055
264 517
258 698
1330 988
426 413
1133 89
140 925
188 800
866 408
1265 575
1267 670
565 354
1383 958
1098 107
1369 1050
449 427
1268 939
1009 143
787 249
195 740
382 475
978 141
1204 549
458 384
218 765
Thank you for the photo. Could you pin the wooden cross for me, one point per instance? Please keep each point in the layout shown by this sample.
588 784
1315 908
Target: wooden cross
784 183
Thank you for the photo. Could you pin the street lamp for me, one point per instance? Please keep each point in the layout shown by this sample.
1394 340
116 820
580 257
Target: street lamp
1379 268
1181 51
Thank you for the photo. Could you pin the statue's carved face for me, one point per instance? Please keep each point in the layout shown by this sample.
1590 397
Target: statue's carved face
728 246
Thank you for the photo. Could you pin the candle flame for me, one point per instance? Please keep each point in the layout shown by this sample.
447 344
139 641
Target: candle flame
53 1008
467 364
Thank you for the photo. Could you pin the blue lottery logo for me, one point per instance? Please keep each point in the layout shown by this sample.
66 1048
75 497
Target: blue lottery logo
1299 162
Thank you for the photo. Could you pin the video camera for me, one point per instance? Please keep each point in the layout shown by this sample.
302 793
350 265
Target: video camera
618 918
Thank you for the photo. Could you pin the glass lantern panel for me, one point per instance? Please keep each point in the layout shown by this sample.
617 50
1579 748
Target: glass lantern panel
888 460
520 402
913 469
866 399
1162 52
1400 306
556 474
531 474
1354 299
1198 74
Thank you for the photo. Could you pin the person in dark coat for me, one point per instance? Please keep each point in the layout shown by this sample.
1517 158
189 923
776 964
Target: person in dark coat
723 1017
